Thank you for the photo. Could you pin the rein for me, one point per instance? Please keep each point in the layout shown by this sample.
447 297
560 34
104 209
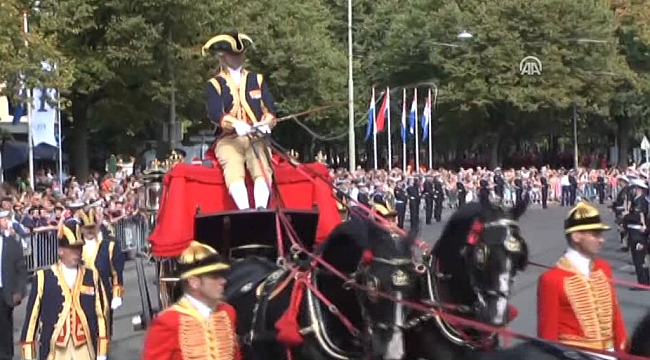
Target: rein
433 308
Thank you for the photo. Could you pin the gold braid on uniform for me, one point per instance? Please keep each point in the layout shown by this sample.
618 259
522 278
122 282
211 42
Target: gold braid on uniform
212 339
591 300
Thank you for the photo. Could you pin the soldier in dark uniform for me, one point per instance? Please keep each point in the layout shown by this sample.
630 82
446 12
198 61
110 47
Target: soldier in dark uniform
620 206
401 199
600 187
413 192
438 199
240 104
637 230
573 188
428 199
461 191
519 188
544 181
484 189
499 184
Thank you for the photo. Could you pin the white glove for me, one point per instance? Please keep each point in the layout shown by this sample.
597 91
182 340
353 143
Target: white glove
101 357
241 128
264 129
116 303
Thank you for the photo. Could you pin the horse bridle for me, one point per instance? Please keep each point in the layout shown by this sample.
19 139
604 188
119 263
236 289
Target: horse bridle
434 276
399 278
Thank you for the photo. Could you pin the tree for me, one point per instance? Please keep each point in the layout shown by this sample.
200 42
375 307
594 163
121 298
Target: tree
17 58
481 75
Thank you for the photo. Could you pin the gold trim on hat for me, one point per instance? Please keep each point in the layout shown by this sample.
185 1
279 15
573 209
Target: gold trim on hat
229 39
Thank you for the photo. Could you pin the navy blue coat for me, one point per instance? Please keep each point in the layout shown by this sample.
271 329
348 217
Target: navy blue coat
255 102
109 263
48 309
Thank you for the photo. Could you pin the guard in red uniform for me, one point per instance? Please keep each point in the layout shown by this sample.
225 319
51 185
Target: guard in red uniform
200 326
576 302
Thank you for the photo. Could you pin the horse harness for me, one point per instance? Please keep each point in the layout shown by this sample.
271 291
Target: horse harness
481 252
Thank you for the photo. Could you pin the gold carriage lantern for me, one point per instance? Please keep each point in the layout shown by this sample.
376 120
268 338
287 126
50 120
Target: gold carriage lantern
152 189
153 180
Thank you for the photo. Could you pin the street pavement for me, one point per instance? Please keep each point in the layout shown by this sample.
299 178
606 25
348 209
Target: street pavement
542 229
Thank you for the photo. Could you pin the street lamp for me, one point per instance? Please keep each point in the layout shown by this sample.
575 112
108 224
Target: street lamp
465 35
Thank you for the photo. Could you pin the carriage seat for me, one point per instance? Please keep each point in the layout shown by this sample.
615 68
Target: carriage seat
241 233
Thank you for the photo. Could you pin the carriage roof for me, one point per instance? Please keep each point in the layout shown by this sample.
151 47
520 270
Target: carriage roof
309 202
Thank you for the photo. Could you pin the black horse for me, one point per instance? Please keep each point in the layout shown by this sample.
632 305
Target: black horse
262 292
473 266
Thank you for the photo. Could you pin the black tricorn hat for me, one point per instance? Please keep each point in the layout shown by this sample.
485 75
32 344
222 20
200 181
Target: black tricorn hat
229 42
69 234
584 217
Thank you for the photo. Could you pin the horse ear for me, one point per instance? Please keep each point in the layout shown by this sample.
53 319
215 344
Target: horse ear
520 207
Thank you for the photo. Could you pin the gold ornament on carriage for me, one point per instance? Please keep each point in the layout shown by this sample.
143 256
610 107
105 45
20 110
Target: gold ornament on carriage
400 278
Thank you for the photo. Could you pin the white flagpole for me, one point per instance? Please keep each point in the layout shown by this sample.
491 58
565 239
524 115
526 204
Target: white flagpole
429 130
30 141
390 147
417 138
405 131
60 128
374 127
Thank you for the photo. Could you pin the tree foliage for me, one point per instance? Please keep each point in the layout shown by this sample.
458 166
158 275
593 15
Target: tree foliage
121 61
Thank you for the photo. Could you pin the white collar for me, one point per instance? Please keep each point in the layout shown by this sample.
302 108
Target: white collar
236 71
581 262
200 306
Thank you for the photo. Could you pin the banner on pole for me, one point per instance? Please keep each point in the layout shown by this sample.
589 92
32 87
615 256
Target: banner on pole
43 119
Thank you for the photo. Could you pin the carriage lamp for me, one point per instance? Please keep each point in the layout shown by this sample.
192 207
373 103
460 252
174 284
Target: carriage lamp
152 190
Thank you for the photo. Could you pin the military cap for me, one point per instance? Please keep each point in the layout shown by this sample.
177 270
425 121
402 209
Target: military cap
583 217
75 205
70 234
200 259
230 42
639 183
4 214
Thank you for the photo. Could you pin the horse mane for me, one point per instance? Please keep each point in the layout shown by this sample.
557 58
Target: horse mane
460 222
639 344
345 244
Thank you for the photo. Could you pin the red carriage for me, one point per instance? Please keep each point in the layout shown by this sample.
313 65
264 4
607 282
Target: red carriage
191 202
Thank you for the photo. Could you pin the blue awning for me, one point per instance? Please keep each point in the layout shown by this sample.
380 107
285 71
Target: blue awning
15 153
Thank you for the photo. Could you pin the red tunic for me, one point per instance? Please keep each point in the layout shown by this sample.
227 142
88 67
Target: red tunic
580 311
182 333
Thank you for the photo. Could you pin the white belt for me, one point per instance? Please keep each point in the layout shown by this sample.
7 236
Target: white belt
635 227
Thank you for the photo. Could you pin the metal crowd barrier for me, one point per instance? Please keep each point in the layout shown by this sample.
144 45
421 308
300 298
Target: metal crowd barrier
40 248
